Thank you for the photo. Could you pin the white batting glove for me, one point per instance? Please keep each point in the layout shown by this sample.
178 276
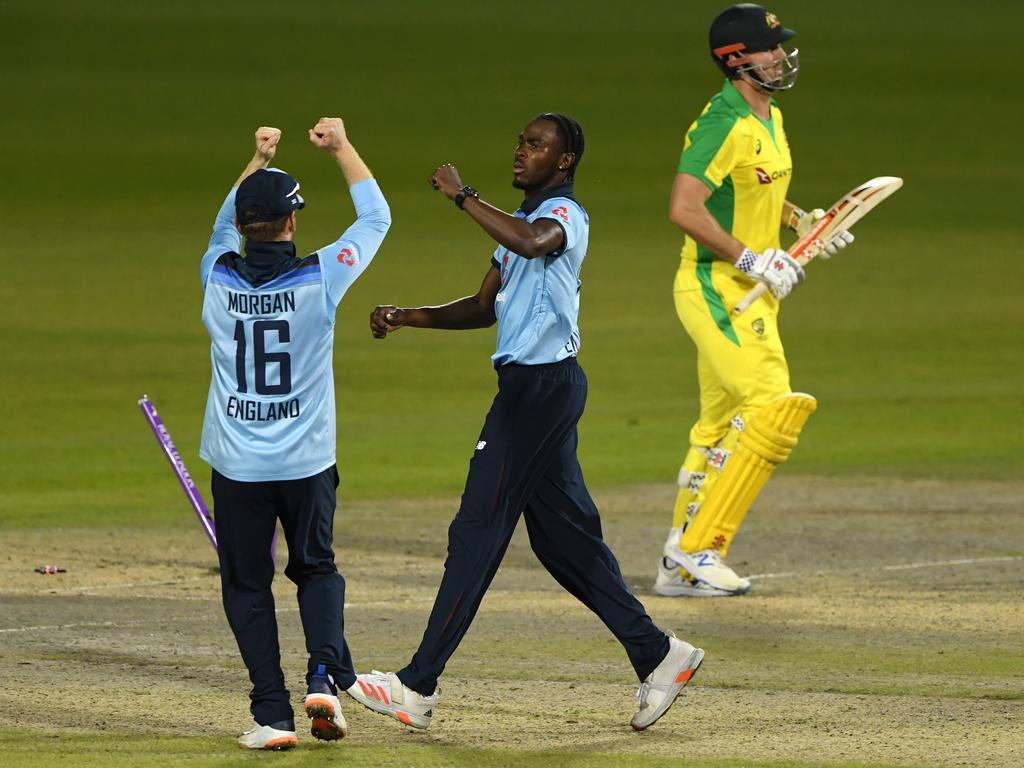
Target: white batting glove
775 268
821 249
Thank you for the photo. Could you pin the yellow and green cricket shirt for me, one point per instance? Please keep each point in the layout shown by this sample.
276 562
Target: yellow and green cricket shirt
746 163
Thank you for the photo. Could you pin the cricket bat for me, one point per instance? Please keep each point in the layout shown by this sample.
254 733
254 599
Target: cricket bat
846 212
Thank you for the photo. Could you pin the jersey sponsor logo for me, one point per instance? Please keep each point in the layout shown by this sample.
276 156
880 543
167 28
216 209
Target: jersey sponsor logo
347 257
261 303
561 212
257 410
763 177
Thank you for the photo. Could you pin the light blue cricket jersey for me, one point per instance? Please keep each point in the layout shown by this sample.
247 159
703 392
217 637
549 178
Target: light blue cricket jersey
538 305
270 411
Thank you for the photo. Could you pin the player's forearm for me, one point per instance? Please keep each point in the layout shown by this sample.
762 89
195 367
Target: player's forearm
459 315
258 161
702 227
519 236
352 165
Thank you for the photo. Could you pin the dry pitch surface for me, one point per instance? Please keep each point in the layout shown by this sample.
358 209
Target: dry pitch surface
885 627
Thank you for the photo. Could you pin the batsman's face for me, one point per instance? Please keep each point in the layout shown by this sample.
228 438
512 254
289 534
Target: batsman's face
538 156
771 70
768 62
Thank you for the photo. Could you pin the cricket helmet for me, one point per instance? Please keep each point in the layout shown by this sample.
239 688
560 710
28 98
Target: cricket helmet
743 28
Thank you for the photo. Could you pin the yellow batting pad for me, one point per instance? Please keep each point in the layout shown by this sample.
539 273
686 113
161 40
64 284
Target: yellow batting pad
767 440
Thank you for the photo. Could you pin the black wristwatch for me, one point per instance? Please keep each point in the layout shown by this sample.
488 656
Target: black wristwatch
462 194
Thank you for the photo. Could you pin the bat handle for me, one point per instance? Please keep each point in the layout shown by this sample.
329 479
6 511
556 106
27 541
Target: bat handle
752 295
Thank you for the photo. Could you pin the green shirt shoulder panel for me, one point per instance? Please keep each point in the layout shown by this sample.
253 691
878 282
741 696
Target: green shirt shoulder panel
705 139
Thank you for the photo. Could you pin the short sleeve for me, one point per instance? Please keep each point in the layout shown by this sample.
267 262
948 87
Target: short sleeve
569 216
711 151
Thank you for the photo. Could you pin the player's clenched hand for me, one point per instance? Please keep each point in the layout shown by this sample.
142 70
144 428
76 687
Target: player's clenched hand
329 134
386 319
266 142
824 249
446 179
775 268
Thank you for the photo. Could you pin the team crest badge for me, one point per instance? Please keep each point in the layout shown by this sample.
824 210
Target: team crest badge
758 326
771 20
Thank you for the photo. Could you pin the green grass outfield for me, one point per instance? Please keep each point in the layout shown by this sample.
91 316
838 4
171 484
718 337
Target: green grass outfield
126 123
142 752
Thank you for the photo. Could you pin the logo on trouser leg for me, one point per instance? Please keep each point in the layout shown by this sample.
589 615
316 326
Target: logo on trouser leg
481 445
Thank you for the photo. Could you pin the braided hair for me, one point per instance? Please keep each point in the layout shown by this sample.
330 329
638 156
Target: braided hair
572 138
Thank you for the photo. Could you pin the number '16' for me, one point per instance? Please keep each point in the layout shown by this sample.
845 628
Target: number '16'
262 358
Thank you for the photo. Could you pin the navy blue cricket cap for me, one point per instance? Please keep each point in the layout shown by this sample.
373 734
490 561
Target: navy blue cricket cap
267 195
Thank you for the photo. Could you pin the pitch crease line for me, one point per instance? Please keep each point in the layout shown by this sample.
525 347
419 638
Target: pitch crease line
902 567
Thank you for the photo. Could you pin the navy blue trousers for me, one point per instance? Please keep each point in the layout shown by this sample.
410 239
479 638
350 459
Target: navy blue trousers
525 464
246 515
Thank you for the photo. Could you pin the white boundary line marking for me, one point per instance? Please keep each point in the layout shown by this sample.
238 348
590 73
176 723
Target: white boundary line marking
901 567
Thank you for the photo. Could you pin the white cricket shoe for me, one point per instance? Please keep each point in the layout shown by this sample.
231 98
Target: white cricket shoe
660 688
706 566
673 581
323 708
277 737
384 693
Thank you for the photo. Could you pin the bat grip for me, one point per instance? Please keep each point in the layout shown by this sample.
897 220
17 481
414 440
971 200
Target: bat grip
797 251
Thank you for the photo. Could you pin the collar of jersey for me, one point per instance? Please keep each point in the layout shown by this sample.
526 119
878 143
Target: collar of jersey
533 202
266 260
266 253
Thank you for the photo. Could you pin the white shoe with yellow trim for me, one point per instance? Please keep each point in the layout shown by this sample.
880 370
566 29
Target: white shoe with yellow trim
673 581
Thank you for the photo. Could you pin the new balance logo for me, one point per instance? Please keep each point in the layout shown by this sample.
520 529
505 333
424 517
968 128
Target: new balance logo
481 445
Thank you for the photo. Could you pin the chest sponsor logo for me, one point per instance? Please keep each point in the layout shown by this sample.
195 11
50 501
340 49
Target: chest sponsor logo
346 257
561 212
763 177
